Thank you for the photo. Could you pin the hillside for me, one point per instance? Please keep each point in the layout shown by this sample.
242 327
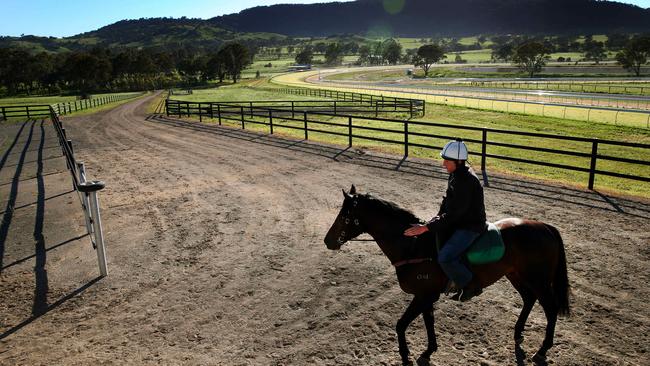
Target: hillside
425 18
271 25
162 33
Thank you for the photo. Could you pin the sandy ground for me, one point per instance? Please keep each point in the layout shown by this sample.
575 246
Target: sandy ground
216 255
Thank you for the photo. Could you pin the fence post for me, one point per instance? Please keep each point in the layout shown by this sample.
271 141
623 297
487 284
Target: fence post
251 107
406 139
306 131
27 112
4 114
334 107
200 113
167 107
293 111
243 127
271 120
483 158
411 107
350 131
592 168
211 110
92 188
219 113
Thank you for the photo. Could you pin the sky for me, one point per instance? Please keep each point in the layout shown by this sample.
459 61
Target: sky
64 18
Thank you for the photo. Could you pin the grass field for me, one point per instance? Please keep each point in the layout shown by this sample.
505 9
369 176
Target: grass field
480 118
49 100
70 104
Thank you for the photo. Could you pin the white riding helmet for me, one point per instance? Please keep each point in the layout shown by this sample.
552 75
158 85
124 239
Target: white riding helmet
454 150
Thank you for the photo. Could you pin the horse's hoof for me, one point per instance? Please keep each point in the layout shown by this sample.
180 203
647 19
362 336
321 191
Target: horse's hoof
423 360
539 358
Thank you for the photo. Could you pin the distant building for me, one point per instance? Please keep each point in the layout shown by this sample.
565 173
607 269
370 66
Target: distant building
299 67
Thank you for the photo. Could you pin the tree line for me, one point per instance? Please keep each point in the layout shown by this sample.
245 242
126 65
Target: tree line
105 70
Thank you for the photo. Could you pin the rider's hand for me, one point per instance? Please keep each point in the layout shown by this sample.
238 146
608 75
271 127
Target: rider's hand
415 230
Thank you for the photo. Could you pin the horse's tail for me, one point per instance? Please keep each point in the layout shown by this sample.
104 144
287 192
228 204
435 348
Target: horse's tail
561 290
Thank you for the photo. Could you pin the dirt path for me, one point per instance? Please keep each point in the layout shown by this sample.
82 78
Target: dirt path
216 257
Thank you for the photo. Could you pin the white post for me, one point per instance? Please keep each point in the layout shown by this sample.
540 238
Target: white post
86 203
92 188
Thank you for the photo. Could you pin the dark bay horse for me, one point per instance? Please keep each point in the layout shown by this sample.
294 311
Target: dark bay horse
534 262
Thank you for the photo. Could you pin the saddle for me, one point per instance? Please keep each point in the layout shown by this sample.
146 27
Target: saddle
487 248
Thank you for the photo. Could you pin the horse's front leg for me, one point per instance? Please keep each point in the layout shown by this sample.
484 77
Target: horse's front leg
412 311
429 323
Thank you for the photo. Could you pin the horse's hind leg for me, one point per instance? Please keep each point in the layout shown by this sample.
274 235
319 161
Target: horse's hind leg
547 301
528 298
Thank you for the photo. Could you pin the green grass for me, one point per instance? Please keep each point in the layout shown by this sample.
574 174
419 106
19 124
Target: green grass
48 100
243 91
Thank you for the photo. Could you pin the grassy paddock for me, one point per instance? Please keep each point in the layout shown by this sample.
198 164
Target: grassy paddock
555 122
48 100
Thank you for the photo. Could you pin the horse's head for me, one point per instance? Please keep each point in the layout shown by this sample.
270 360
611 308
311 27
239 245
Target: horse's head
347 225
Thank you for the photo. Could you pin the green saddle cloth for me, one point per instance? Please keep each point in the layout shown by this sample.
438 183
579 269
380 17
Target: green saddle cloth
488 247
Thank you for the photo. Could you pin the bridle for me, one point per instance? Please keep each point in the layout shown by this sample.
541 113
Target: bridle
347 218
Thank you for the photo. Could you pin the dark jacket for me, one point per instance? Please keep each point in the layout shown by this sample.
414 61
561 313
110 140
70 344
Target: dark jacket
463 206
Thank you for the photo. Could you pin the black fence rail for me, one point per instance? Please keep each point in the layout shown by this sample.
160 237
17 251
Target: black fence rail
416 134
24 111
79 105
289 107
412 106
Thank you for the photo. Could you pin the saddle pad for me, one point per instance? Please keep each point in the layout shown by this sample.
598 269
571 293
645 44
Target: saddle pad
487 248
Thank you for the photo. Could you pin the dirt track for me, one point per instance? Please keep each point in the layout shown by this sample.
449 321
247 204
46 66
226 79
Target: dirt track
216 257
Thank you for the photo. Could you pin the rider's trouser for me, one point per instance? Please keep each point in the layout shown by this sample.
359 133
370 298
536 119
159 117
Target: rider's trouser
449 256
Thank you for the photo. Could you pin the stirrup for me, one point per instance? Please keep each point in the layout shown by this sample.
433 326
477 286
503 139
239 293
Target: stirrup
467 294
451 287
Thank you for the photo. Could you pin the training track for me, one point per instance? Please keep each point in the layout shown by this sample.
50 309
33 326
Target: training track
216 257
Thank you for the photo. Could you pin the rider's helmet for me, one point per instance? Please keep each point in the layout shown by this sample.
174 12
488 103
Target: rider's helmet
454 150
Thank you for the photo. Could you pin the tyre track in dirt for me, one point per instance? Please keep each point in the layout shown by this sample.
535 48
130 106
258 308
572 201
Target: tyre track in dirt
215 256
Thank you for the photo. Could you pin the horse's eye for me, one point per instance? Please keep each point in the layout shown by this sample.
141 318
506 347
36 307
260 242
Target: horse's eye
347 221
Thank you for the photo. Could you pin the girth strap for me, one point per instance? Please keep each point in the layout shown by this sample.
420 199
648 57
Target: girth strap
411 261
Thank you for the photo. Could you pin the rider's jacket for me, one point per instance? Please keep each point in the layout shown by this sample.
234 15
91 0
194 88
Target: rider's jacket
463 206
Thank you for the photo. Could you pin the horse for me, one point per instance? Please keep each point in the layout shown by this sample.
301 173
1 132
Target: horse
534 262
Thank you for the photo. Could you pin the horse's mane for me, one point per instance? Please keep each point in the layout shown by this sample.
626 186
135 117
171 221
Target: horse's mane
398 213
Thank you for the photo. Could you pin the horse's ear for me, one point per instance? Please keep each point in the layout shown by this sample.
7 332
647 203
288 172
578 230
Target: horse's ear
353 189
345 194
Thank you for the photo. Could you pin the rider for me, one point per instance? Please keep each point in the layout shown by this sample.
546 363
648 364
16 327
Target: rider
462 213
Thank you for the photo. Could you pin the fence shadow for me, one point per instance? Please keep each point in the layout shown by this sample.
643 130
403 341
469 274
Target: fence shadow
553 193
49 308
13 192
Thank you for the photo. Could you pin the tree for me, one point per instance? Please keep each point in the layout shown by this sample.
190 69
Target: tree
333 54
216 66
305 56
634 54
503 52
391 51
428 55
236 58
364 55
530 57
594 51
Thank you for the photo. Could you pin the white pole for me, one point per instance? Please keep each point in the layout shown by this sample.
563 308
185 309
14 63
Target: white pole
92 188
86 203
99 234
